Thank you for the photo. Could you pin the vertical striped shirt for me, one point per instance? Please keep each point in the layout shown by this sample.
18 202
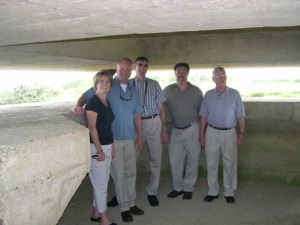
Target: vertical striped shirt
151 95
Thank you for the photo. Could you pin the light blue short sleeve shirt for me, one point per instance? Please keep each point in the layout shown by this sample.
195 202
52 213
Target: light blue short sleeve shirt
89 94
125 105
222 110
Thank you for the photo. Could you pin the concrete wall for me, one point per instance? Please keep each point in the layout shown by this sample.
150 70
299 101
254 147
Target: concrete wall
44 157
271 152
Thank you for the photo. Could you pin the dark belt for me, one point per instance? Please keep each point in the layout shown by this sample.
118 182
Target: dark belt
219 128
183 128
149 117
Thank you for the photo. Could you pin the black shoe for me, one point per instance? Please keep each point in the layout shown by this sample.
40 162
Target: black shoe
93 219
136 211
126 216
187 195
113 202
210 198
174 194
230 199
153 200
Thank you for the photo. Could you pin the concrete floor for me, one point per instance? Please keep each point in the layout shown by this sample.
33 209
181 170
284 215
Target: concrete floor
256 204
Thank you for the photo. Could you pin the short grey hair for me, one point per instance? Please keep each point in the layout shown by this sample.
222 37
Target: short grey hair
219 68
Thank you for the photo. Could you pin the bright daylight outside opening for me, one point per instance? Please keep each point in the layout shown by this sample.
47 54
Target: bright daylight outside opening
255 84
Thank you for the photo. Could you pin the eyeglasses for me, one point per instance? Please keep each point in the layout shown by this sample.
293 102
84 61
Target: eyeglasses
124 96
220 76
141 64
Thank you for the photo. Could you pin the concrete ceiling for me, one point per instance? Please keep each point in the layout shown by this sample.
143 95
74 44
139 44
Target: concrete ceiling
38 21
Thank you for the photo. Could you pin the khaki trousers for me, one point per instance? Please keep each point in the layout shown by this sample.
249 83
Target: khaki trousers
151 133
123 172
184 144
221 143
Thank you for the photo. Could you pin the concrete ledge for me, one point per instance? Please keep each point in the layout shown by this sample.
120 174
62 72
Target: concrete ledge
44 157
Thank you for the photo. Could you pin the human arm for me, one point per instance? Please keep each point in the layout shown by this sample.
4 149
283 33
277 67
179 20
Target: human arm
113 151
91 123
241 134
203 122
139 130
163 118
78 109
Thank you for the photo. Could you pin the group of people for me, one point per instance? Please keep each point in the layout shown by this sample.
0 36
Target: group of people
124 113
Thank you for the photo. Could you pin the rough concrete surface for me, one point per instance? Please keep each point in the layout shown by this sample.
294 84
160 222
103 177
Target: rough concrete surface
43 158
33 137
256 204
28 21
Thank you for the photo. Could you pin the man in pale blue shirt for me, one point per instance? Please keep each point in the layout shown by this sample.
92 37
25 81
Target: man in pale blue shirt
128 137
221 110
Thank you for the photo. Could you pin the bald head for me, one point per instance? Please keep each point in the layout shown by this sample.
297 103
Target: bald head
124 68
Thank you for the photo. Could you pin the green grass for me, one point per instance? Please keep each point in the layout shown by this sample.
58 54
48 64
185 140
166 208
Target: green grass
27 94
292 94
78 84
277 81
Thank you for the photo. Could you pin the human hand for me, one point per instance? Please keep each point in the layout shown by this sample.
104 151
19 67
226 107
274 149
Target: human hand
78 110
113 151
240 140
202 140
101 156
164 136
139 143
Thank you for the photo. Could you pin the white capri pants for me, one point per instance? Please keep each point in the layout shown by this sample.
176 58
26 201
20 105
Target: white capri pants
99 176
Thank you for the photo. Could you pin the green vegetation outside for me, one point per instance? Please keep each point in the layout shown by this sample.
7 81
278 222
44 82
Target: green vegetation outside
259 88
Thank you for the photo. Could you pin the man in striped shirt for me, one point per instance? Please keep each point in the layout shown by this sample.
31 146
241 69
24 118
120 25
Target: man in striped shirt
154 122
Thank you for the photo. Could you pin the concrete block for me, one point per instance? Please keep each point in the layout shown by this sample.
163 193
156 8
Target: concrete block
43 160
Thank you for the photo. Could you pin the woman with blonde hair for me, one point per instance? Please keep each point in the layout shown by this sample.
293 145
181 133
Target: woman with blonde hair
99 117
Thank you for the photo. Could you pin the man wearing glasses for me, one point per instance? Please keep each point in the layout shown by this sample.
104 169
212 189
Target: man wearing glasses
154 122
220 112
126 106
